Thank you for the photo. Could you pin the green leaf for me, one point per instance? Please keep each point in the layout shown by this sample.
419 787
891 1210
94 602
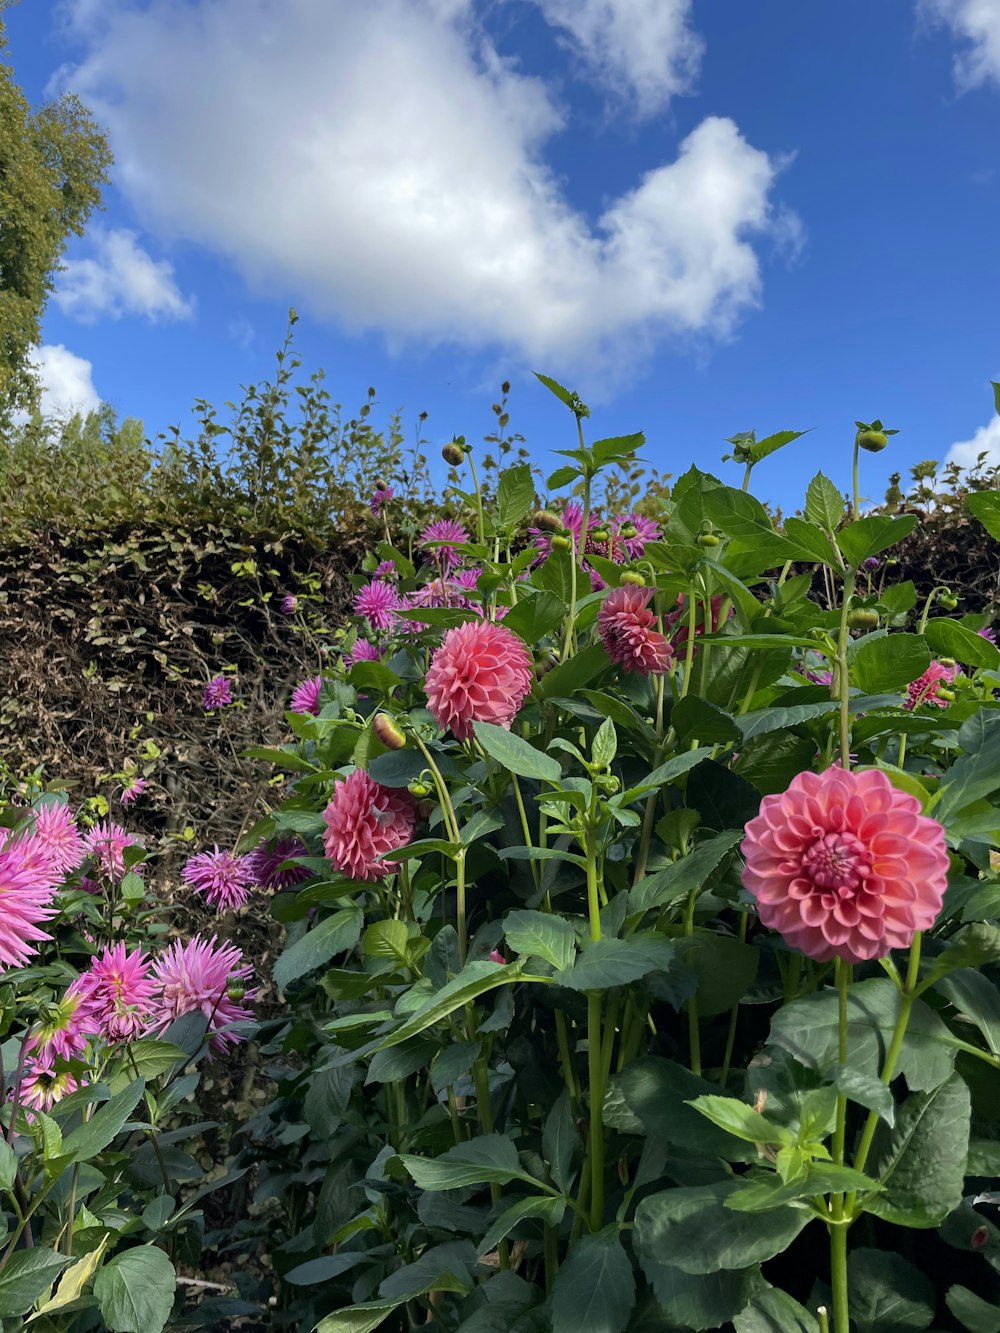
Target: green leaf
921 1160
949 639
815 544
446 1267
976 998
8 1165
358 1318
898 599
612 962
374 676
561 1142
673 768
808 1028
700 1301
824 503
605 745
971 1311
152 1056
515 495
616 447
452 1061
334 934
544 1206
676 881
976 773
284 759
725 968
594 1290
774 1311
888 1295
399 1062
535 615
396 768
701 1235
562 477
387 939
580 670
555 387
985 505
877 532
490 1159
475 979
866 1090
28 1274
94 1135
771 443
759 1193
515 754
694 718
889 662
735 1117
996 395
541 935
972 946
136 1290
659 1092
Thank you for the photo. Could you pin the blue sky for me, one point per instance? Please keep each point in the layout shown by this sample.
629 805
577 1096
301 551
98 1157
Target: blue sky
706 218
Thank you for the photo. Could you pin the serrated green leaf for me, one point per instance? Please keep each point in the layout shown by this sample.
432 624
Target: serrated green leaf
490 1159
515 754
824 503
877 532
541 935
888 662
921 1160
594 1290
136 1290
334 934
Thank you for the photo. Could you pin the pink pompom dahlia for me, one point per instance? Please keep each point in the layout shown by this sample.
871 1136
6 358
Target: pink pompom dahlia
199 976
481 673
363 821
120 989
27 885
378 602
223 877
107 841
844 865
59 837
626 625
305 696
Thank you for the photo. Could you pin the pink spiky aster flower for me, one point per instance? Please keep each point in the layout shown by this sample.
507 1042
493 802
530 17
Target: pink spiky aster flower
481 673
924 690
59 837
198 976
289 604
27 885
223 877
645 531
42 1087
120 989
627 628
386 569
305 697
364 820
466 579
217 694
361 651
845 866
442 536
107 842
378 602
133 791
66 1026
988 633
265 864
381 497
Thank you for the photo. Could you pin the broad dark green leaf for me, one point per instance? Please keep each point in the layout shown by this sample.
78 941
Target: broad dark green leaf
676 881
535 615
971 1311
94 1135
699 1301
976 774
774 1311
694 718
515 754
475 979
810 541
580 670
488 1159
976 998
889 662
396 768
985 505
515 495
865 1089
867 536
612 962
136 1290
659 1092
334 934
888 1295
398 1062
28 1275
721 797
541 935
594 1290
446 1267
545 1207
725 967
921 1160
561 1142
949 639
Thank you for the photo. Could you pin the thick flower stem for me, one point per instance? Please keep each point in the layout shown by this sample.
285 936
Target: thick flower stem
480 524
595 1041
843 686
694 1031
838 1279
840 1218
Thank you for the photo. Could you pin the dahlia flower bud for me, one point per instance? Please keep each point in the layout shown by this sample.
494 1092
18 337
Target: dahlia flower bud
388 733
547 521
628 531
707 539
418 788
634 577
235 989
600 535
561 543
452 454
496 956
947 599
862 617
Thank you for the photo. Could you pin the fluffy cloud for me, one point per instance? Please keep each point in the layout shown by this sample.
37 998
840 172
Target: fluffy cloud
66 381
646 45
977 22
383 165
120 279
986 440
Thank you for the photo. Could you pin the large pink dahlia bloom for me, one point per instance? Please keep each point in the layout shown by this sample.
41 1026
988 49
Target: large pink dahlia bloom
305 696
107 842
844 865
364 820
120 990
59 837
27 885
199 976
626 625
481 673
224 877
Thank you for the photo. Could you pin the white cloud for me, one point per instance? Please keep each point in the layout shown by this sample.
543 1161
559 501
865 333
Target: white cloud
382 164
121 279
66 381
646 45
977 22
986 440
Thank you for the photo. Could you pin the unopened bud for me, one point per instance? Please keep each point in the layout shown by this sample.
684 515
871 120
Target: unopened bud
496 956
863 618
948 662
418 788
873 440
628 532
633 576
608 783
452 454
600 535
561 543
381 484
948 696
388 733
235 989
547 521
707 539
947 599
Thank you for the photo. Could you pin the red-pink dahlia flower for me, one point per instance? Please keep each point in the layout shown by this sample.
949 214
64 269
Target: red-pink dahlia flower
678 622
361 651
120 989
223 877
217 694
481 673
844 865
59 837
626 626
364 820
198 976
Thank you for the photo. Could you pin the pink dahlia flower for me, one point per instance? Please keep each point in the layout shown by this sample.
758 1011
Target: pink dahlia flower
107 842
289 604
481 673
265 864
443 536
222 876
58 836
133 791
845 866
42 1087
120 989
26 889
380 497
362 651
987 632
217 694
305 697
386 569
924 690
626 625
198 976
65 1026
378 602
364 820
678 622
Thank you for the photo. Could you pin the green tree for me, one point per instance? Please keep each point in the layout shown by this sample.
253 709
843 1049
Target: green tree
53 161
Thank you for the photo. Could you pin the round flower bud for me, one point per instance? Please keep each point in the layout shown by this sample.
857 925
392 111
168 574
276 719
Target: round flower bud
381 484
561 543
388 733
547 521
947 599
418 788
633 576
863 617
948 663
948 696
451 453
600 535
628 532
707 539
608 783
873 440
235 989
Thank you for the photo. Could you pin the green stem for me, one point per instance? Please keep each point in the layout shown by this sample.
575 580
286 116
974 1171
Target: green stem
480 525
689 653
460 922
838 1279
843 686
840 1218
571 617
694 1032
734 1015
595 1071
855 512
